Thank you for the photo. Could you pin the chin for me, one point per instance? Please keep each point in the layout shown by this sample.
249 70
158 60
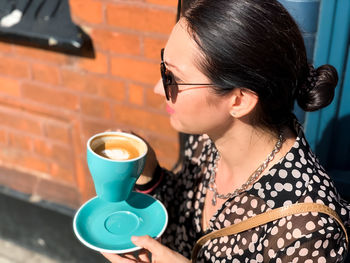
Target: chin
176 125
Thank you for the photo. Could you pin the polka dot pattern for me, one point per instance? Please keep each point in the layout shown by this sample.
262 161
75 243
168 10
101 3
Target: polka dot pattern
298 177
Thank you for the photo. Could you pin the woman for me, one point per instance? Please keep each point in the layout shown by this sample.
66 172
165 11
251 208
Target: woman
232 70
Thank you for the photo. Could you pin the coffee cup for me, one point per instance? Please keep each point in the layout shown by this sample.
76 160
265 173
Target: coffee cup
115 161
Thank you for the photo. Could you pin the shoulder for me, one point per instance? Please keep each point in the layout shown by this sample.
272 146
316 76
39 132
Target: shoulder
195 146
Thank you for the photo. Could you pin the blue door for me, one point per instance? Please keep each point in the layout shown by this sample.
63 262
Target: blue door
328 130
326 28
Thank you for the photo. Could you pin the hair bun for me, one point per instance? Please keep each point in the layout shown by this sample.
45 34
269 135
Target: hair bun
317 90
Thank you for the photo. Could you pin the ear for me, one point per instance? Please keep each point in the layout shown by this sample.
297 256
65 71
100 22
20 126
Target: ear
242 102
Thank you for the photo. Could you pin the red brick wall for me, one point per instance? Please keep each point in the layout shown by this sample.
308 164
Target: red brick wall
50 103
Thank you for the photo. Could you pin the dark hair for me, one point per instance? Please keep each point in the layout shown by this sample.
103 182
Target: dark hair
256 44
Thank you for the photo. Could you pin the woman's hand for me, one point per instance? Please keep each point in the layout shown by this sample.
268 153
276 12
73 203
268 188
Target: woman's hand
160 253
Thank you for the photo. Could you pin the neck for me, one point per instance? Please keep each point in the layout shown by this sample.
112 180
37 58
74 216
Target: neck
243 149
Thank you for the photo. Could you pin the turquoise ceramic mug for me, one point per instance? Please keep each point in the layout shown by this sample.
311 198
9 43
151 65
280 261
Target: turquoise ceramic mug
115 161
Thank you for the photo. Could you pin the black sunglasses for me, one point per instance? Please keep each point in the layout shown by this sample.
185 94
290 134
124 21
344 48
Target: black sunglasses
168 80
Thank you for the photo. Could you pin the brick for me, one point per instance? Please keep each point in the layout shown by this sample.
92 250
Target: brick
91 127
141 18
89 191
63 173
3 137
99 64
59 84
87 10
96 108
172 3
16 120
143 120
49 96
77 81
152 47
77 138
41 147
10 87
20 141
136 94
91 84
116 42
56 153
109 88
167 149
62 154
81 171
43 55
58 131
55 191
34 163
14 67
45 73
136 70
5 48
24 160
16 180
84 180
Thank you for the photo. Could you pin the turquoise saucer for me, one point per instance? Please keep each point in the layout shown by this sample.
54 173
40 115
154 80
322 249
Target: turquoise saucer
108 227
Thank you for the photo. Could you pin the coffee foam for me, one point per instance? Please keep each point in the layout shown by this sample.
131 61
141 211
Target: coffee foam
116 154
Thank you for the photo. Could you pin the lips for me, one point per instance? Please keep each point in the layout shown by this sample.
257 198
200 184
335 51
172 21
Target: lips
169 109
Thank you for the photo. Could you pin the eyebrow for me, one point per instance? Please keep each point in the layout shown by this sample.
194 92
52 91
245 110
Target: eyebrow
171 65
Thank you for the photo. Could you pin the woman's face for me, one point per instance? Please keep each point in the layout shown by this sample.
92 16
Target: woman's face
196 109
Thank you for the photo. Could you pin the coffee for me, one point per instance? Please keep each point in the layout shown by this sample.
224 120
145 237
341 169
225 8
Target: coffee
117 147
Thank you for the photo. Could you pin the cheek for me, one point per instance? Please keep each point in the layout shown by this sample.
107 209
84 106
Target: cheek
197 116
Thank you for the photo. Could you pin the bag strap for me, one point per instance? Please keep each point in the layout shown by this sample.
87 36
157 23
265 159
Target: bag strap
265 218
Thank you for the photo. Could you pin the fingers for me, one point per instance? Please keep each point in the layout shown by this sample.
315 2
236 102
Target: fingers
130 256
117 130
144 256
160 253
149 244
113 130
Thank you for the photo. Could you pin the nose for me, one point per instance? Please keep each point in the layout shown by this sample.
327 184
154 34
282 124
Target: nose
158 88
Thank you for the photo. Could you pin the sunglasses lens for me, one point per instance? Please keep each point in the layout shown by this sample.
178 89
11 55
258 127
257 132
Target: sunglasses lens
169 79
165 81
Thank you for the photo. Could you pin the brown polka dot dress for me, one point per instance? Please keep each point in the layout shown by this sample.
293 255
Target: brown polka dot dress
298 177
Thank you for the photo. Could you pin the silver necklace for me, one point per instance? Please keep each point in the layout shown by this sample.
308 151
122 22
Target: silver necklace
254 176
